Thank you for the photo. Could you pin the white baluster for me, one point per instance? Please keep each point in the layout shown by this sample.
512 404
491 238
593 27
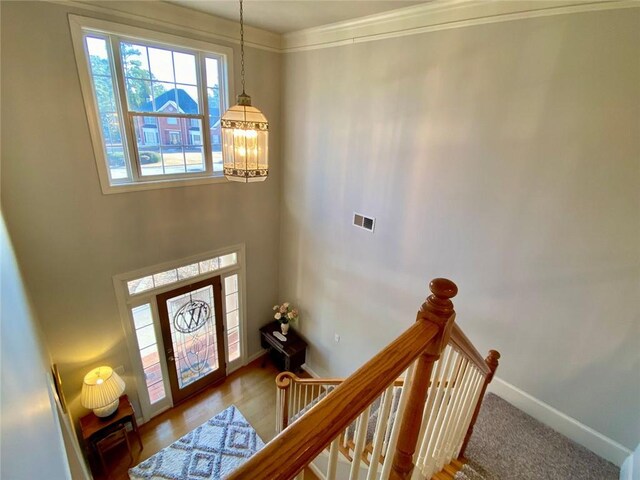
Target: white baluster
427 413
463 410
474 401
389 427
452 430
450 422
306 393
378 440
361 434
440 408
393 440
438 382
333 459
439 457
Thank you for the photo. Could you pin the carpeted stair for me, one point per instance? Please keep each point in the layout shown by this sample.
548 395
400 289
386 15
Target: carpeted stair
509 444
471 471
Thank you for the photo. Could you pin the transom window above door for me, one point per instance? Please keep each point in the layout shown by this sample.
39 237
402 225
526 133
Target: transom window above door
154 103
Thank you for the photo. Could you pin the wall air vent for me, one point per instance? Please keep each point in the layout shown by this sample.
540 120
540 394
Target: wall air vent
363 221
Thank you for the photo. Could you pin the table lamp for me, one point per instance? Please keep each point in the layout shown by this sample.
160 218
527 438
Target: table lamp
101 391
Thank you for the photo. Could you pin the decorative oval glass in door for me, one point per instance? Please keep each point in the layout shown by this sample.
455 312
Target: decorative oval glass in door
192 321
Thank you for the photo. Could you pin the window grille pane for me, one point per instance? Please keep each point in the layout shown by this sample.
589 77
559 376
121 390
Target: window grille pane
135 61
233 335
153 374
231 284
142 316
140 285
161 63
169 145
185 66
210 265
156 392
234 352
212 67
188 271
233 319
160 80
227 260
232 302
188 100
149 356
139 95
148 351
164 278
146 336
104 93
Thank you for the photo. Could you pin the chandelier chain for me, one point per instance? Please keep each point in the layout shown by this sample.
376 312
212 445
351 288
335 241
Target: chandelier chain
242 47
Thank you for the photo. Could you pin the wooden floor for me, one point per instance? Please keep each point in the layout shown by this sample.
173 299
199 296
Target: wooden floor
252 389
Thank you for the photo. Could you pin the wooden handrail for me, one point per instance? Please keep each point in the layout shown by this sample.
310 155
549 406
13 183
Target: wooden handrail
294 448
283 384
459 340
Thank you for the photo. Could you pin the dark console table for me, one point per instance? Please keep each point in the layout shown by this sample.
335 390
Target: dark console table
288 356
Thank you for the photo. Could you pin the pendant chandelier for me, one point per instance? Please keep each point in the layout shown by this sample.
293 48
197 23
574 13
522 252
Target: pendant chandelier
245 135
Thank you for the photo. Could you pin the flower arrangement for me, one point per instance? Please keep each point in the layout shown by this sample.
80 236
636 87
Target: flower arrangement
285 313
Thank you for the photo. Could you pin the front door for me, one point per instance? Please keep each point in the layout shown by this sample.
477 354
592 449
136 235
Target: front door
193 336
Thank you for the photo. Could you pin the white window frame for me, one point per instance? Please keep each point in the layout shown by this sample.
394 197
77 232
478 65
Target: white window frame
79 26
127 301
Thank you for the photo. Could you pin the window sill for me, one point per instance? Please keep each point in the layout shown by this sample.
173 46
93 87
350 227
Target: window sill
157 184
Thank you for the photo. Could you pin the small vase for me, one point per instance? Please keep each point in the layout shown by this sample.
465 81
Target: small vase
284 327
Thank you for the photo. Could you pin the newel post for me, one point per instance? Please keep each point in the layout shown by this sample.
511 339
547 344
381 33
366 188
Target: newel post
492 363
437 309
284 382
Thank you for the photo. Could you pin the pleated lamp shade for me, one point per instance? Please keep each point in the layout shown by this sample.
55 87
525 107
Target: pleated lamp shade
101 391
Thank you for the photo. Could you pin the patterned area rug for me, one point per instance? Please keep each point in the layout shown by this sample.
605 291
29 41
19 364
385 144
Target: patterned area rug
211 451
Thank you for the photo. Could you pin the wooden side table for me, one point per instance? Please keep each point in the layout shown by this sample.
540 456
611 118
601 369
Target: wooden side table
95 428
288 355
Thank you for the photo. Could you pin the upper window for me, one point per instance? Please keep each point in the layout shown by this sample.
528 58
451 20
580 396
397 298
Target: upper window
155 103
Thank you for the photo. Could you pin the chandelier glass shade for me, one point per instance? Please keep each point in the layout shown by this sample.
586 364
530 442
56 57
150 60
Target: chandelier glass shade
245 135
245 142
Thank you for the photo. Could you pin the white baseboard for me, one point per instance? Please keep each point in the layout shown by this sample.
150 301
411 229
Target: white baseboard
560 422
310 371
255 356
630 469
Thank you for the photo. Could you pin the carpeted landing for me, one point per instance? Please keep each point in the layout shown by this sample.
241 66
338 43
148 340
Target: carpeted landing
509 444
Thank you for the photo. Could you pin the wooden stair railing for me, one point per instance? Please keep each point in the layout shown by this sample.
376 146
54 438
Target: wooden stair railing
295 447
295 395
421 423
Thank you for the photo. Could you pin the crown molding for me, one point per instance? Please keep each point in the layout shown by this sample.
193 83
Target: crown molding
434 16
426 17
180 19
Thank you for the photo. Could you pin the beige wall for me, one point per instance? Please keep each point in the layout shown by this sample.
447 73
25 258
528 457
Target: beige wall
29 419
71 239
503 156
